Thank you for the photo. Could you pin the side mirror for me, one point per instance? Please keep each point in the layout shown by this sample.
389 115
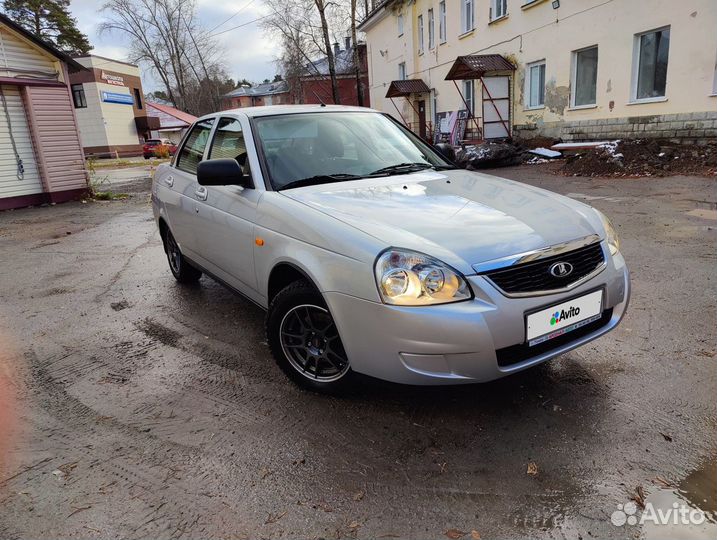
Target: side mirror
446 150
222 172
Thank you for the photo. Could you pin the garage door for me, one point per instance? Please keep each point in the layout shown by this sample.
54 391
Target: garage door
13 183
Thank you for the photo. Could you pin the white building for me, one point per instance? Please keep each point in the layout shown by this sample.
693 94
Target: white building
584 69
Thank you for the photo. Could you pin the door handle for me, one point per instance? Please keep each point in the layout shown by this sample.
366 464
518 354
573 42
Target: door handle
201 193
169 180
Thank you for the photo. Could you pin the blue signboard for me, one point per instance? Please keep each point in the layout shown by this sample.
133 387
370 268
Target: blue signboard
114 97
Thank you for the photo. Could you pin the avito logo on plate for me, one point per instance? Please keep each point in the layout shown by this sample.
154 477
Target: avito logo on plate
562 315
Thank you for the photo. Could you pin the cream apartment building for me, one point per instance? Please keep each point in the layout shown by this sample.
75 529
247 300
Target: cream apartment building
576 69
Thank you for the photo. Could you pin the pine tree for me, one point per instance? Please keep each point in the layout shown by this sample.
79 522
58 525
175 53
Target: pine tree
51 21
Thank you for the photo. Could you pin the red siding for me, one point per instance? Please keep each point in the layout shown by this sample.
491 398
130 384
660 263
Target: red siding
57 139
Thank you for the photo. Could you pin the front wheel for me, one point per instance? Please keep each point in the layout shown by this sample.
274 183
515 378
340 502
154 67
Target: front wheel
181 269
305 341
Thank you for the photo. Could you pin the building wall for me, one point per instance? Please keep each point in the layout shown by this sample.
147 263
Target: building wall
536 31
18 56
316 90
44 128
109 128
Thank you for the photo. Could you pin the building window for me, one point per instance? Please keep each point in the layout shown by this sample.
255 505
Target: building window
498 9
468 96
535 85
585 64
138 98
466 16
78 96
420 34
650 65
402 71
400 24
431 30
442 21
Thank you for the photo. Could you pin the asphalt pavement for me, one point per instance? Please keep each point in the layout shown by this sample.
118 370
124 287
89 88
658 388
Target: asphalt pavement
133 407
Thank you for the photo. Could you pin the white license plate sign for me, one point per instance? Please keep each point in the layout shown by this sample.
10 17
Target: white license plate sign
561 318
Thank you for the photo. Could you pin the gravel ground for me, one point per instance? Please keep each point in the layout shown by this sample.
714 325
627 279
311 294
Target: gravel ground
137 408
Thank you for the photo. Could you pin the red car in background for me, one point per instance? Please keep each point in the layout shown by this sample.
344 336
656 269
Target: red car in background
150 145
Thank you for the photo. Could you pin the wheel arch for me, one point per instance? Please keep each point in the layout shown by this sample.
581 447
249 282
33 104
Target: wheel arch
283 274
163 228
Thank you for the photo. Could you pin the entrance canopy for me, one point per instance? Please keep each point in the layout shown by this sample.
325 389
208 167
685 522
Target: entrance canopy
477 65
406 88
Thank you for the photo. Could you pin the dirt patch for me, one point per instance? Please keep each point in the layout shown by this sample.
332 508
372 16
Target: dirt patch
642 158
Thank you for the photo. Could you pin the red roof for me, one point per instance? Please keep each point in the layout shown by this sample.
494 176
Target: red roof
171 111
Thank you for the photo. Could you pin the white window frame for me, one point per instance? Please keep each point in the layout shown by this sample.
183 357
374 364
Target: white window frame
636 67
399 23
431 29
526 92
494 5
574 79
442 33
419 29
467 16
402 71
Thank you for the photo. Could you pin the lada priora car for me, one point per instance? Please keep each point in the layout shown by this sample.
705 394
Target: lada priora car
373 254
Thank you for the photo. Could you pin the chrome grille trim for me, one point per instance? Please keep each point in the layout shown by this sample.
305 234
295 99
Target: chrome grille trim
535 255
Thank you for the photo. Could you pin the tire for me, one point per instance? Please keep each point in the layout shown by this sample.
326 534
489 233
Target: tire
305 342
182 271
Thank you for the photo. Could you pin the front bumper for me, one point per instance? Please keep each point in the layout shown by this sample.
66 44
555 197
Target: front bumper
457 343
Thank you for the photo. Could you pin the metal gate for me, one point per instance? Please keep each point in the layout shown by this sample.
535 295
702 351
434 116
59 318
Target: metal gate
18 166
496 107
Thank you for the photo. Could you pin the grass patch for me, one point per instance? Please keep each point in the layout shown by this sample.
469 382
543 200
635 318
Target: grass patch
126 163
109 196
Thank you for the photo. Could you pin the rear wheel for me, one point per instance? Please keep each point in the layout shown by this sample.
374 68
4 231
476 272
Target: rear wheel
305 341
181 269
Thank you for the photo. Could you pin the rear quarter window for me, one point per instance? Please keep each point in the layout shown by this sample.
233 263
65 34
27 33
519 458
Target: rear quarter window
193 150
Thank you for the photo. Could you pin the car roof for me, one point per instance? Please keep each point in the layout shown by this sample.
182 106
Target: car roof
273 110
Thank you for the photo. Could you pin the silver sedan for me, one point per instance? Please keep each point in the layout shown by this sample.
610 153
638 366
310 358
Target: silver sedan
373 254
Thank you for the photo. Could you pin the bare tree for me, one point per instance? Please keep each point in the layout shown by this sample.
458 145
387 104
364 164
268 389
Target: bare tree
356 59
162 37
304 27
331 61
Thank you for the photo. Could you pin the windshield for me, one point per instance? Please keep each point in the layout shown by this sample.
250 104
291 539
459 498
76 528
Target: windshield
304 149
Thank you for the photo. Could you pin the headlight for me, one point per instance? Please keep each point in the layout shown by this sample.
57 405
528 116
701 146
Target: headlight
407 278
613 241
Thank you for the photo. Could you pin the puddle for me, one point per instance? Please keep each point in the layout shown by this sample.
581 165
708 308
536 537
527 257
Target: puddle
692 506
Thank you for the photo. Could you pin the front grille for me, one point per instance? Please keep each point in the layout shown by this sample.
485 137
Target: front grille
519 353
535 276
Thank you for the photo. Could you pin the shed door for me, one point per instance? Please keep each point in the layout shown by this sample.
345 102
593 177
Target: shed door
496 107
11 184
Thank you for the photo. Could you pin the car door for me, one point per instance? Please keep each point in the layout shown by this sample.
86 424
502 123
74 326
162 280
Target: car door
182 208
226 235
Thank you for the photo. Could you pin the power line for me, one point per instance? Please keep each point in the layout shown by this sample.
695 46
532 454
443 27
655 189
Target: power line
238 26
235 14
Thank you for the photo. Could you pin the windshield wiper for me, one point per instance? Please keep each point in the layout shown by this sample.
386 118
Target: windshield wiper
403 167
320 179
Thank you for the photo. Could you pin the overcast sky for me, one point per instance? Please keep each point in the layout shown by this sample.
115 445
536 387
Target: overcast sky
248 52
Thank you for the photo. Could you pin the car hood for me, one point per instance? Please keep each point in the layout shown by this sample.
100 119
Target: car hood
459 216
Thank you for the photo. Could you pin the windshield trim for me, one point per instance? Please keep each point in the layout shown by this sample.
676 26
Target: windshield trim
269 182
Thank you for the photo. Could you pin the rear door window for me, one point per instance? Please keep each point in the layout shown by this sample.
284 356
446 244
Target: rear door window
193 149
